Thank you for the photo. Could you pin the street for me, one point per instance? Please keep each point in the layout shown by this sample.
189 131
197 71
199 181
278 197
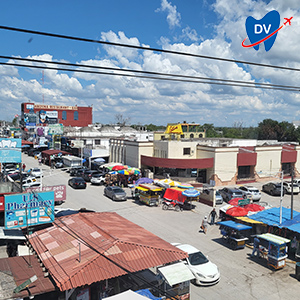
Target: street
241 276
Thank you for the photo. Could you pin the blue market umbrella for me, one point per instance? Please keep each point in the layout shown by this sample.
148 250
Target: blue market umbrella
191 193
144 180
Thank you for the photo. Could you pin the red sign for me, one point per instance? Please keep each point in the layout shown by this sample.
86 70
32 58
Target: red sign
59 191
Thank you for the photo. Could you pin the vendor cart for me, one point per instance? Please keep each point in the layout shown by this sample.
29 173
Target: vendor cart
277 249
234 233
148 194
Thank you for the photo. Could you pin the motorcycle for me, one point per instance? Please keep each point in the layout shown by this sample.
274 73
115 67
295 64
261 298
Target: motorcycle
166 204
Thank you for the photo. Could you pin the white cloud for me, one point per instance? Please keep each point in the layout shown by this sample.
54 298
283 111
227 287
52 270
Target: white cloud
173 17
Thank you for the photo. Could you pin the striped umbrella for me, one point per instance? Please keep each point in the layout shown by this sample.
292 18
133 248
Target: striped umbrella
124 172
191 193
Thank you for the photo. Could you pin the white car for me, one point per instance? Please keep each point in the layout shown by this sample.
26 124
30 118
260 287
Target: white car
205 272
97 179
287 187
36 172
30 182
251 191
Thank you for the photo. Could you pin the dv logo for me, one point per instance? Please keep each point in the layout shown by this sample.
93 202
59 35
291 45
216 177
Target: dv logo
264 30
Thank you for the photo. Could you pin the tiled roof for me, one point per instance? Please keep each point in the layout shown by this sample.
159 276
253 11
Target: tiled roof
110 245
16 270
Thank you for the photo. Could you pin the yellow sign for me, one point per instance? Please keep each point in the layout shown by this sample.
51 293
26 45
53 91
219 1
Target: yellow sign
174 129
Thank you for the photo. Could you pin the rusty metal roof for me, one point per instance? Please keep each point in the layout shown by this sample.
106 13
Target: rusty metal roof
16 270
110 246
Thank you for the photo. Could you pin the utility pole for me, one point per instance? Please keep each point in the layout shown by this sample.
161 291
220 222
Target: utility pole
292 192
281 196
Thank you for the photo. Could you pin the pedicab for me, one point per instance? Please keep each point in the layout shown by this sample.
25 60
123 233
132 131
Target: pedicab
148 194
276 249
234 233
177 199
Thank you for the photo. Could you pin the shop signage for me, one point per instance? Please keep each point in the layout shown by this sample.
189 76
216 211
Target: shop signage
60 193
44 107
10 150
28 209
243 202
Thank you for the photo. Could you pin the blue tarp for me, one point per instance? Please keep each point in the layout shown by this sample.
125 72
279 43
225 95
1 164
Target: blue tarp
293 224
148 294
272 216
234 225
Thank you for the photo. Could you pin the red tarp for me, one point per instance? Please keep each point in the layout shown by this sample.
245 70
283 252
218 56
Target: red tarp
174 194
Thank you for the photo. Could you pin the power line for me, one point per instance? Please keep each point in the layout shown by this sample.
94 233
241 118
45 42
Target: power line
148 72
273 87
145 48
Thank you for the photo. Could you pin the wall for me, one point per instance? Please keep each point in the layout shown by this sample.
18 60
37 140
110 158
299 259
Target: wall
268 161
226 163
174 149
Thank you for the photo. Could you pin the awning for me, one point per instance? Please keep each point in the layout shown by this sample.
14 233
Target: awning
128 295
234 225
248 220
11 234
141 188
176 273
274 238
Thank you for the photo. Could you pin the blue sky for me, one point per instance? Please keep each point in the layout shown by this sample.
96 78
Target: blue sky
214 28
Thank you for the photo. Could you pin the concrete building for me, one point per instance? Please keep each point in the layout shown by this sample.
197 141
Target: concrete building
41 114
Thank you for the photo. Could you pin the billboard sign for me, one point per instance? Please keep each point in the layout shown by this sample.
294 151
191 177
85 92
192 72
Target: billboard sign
60 193
56 129
28 209
10 150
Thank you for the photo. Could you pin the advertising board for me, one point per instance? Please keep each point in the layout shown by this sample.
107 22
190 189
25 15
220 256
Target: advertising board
10 150
28 209
60 193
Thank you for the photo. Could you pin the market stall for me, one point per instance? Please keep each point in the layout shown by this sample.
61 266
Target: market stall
277 249
236 234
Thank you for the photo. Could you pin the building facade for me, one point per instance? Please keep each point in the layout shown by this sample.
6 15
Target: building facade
40 114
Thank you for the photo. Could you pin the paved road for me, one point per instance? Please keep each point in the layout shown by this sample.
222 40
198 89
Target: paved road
241 276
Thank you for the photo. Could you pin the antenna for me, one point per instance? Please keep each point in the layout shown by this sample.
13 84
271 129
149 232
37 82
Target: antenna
43 84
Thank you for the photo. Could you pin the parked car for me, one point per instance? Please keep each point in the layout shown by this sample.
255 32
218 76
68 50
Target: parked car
77 183
251 191
77 172
30 182
98 178
205 272
230 193
115 193
273 188
287 186
219 198
36 172
87 174
297 181
59 164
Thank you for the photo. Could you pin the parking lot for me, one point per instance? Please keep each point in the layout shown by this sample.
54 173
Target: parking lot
241 276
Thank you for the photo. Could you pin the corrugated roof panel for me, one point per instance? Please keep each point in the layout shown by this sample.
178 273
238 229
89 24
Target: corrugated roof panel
125 243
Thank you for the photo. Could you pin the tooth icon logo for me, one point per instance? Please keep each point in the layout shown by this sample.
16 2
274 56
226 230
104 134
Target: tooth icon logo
8 144
264 30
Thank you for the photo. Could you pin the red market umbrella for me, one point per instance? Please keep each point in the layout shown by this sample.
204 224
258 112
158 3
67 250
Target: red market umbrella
235 201
254 207
237 211
118 168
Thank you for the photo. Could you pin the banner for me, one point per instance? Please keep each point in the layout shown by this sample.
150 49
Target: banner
28 209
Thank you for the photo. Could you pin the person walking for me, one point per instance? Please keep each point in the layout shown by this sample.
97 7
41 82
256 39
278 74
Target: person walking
255 247
204 224
212 216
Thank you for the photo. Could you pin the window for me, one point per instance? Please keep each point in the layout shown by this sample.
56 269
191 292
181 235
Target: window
191 135
186 151
97 142
75 115
200 135
64 115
